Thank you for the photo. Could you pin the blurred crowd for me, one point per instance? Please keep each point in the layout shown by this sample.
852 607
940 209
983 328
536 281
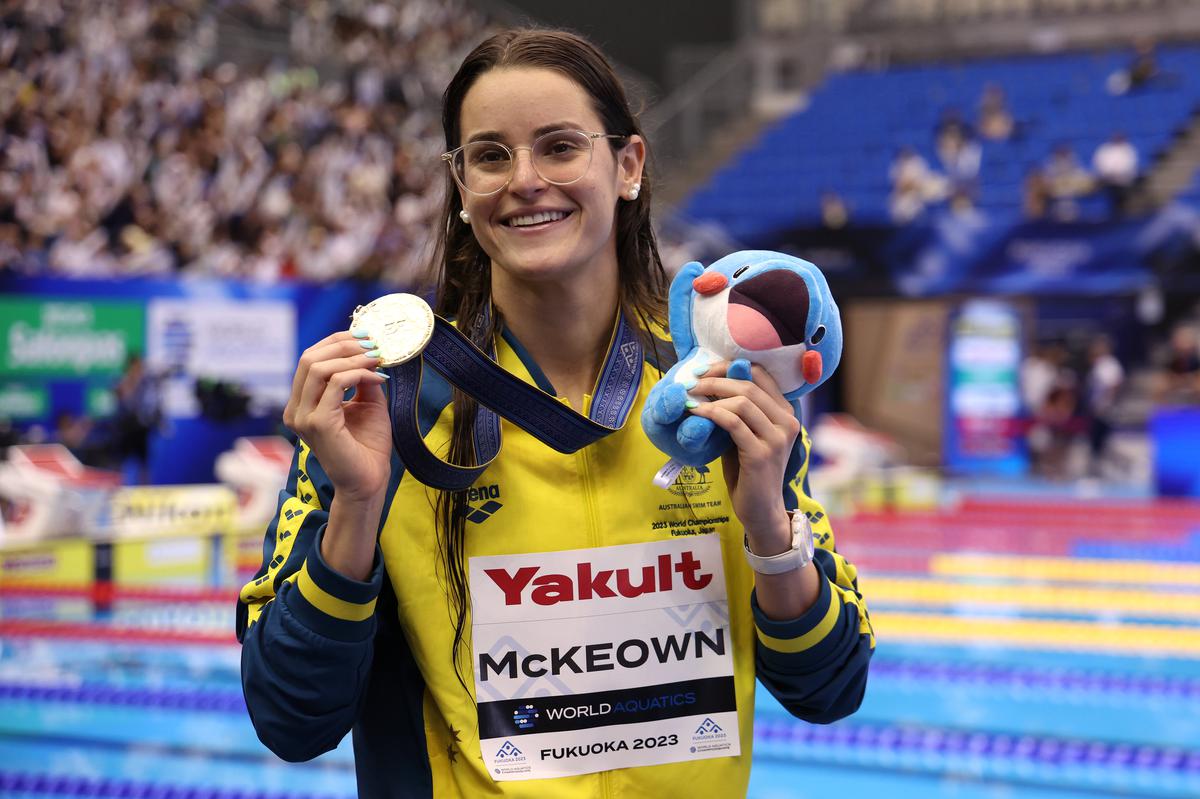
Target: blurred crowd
1074 396
1068 401
130 146
1051 189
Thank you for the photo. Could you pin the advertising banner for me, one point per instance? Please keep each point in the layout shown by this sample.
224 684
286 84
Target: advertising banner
976 254
166 510
23 401
174 560
983 430
232 332
66 563
1175 439
1060 258
249 343
46 338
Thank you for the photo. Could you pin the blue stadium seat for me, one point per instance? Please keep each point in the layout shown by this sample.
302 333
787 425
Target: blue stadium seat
855 123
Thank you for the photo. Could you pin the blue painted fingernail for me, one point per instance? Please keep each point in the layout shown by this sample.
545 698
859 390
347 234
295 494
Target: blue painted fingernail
699 370
384 373
692 404
372 354
367 345
690 383
360 333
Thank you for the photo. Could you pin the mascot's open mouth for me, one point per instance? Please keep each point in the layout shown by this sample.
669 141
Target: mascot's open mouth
769 310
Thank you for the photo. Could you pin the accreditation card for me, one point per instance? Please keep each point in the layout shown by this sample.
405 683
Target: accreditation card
593 659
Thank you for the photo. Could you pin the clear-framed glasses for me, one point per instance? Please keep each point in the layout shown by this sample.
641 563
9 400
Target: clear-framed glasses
560 157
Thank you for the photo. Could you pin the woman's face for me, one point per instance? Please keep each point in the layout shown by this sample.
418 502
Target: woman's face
514 106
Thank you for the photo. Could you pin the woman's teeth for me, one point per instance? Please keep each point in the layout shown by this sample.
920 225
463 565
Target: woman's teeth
536 219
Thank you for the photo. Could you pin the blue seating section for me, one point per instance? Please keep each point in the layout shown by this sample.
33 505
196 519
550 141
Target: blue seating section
847 136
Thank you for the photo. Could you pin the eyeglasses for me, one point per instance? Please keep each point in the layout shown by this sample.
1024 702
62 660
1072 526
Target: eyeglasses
560 157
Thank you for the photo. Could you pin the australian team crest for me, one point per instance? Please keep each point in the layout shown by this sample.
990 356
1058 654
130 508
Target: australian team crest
692 481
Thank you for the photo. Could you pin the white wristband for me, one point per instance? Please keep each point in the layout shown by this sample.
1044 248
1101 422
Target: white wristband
797 557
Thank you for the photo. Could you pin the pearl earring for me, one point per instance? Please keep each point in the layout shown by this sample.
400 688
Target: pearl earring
634 191
464 216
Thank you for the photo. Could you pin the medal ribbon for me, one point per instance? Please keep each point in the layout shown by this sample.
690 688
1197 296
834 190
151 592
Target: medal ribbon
501 393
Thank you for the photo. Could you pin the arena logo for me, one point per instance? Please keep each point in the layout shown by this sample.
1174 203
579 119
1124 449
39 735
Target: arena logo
477 493
553 588
489 494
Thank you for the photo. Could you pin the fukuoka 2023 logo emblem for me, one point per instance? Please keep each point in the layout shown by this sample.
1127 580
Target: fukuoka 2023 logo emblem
509 753
708 737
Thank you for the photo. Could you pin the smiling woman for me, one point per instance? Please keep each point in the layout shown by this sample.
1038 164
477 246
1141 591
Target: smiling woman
539 178
460 637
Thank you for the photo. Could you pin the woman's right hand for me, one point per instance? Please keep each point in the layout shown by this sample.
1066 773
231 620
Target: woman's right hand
352 439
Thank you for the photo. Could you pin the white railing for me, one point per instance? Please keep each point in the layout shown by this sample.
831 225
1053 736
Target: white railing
718 92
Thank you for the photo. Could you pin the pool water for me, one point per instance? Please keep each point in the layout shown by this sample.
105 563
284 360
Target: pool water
1027 649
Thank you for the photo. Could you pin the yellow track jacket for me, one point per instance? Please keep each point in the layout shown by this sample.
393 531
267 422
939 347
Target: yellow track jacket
324 655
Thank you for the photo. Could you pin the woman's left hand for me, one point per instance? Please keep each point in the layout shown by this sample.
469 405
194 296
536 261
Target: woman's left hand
764 429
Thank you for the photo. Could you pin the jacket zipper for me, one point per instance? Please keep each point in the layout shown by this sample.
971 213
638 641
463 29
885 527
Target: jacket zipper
589 499
594 540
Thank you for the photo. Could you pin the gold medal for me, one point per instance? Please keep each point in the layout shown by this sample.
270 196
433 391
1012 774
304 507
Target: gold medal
399 324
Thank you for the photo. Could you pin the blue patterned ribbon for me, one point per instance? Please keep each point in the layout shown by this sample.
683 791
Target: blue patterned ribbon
500 393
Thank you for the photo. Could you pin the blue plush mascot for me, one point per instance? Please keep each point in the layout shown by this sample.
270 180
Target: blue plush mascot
752 306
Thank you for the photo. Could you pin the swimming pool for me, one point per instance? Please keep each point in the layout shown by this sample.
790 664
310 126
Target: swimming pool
1026 649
